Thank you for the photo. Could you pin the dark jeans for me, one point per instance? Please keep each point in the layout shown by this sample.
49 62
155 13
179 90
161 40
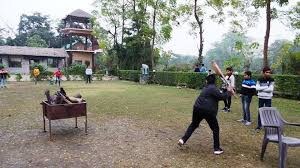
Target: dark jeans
227 101
57 80
263 103
246 100
88 78
198 116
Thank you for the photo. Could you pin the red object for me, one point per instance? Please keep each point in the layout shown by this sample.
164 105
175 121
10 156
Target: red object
58 73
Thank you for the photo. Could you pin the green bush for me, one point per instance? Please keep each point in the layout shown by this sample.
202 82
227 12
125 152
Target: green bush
74 69
132 75
18 77
44 74
287 86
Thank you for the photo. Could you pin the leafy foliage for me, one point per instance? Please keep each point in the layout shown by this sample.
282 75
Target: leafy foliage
44 74
286 85
36 41
35 28
74 69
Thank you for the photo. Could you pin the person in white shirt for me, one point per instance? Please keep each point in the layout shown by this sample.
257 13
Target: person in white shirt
88 73
231 81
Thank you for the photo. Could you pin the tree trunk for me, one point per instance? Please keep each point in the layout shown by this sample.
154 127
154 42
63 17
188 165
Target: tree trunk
123 23
200 24
267 35
115 36
153 36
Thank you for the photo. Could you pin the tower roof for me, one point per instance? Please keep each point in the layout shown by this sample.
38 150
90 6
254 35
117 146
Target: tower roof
78 13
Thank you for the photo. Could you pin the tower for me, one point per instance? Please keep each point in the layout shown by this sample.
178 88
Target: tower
78 40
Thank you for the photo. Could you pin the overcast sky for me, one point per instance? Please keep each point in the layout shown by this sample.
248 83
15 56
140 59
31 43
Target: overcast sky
181 42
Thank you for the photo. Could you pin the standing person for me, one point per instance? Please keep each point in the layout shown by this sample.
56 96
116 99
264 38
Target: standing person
3 77
203 69
36 73
265 88
247 91
230 79
58 75
197 69
206 107
88 73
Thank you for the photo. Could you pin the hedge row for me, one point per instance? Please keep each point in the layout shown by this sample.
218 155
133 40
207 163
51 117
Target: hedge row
287 86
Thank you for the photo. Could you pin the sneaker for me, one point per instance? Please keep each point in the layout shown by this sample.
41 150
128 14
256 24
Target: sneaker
247 123
240 120
180 142
224 109
218 151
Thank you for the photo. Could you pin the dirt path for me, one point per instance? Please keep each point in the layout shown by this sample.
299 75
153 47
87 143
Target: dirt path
119 142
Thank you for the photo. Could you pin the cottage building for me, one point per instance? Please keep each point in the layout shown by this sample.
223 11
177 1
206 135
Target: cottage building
18 59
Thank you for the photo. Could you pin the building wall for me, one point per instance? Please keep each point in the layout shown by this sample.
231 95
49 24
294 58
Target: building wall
82 56
25 65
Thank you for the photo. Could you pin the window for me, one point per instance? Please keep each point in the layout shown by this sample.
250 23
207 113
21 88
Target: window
52 62
34 61
15 62
77 61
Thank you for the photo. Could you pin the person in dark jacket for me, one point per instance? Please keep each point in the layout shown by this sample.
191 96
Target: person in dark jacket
206 107
247 91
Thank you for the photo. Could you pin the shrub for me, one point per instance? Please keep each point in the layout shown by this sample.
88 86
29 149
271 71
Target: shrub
287 86
44 74
74 69
18 77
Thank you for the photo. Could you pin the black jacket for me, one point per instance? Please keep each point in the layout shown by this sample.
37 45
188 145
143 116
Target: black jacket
209 98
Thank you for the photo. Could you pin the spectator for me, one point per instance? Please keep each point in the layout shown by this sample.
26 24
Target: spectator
3 77
197 69
36 74
88 73
231 81
58 75
265 88
247 91
203 69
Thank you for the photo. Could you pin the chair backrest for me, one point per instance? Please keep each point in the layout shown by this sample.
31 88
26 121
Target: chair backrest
271 117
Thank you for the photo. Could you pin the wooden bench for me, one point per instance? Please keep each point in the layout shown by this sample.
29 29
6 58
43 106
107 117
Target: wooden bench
63 111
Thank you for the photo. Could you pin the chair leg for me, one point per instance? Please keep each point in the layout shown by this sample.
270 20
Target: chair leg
263 148
283 156
76 122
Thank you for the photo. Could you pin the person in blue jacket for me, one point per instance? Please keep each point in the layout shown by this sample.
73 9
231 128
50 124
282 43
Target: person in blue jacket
247 91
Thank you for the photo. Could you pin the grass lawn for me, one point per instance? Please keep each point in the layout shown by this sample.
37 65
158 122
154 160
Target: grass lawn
131 125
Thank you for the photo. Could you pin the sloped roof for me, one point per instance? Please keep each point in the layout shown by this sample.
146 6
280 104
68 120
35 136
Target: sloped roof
79 13
33 51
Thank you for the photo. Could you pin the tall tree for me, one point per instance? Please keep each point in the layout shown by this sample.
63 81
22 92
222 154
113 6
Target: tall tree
135 27
235 49
163 14
270 13
200 24
36 41
2 41
36 24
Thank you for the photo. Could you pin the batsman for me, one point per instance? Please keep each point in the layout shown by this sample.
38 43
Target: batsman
206 107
